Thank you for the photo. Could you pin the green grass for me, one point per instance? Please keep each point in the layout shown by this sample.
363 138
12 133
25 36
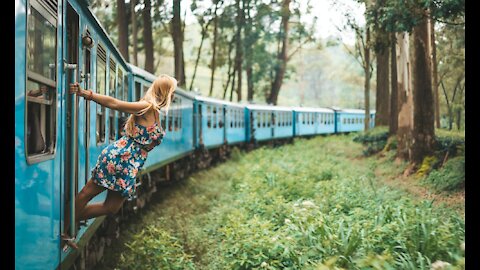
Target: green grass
315 204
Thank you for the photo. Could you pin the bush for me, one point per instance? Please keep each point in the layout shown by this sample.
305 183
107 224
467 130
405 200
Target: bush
374 140
449 178
154 248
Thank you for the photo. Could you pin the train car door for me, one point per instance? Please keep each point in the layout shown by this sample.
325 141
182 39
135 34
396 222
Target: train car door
70 180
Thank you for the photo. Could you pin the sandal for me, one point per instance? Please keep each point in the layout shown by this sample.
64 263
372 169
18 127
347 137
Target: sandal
70 242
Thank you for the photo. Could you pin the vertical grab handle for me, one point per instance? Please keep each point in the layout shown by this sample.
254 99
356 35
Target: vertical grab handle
74 153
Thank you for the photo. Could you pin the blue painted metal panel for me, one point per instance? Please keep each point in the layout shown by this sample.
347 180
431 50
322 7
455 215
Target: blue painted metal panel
235 124
37 185
212 134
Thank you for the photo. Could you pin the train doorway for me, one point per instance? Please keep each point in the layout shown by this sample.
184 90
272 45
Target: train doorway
70 181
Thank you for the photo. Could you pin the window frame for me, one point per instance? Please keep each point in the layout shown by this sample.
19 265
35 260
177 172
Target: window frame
40 79
100 108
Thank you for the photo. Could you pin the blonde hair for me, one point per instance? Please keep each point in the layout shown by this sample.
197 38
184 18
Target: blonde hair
158 96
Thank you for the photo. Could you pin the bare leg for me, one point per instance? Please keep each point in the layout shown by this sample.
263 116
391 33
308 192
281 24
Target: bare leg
89 191
112 204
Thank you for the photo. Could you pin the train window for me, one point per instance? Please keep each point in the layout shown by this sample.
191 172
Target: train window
170 117
41 84
180 116
101 85
214 116
209 117
138 88
163 120
125 87
111 126
145 89
230 113
235 121
175 114
269 119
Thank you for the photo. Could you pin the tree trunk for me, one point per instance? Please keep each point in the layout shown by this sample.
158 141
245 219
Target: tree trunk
177 37
434 72
393 123
239 48
204 34
122 23
366 68
405 101
229 74
423 106
134 32
148 40
214 49
248 51
282 56
382 100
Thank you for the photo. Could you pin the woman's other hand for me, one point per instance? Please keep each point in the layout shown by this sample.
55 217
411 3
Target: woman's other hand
76 89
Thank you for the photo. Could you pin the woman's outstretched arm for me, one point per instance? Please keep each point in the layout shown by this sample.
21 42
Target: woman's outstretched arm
107 101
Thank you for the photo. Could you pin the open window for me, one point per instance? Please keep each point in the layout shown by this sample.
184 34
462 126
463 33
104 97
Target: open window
41 85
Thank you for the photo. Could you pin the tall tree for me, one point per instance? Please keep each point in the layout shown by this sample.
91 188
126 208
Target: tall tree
423 113
250 39
405 101
281 64
381 48
393 122
433 47
240 20
177 36
213 63
133 4
122 23
367 69
204 20
147 36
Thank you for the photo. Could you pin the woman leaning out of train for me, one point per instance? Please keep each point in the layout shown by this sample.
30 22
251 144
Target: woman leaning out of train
120 161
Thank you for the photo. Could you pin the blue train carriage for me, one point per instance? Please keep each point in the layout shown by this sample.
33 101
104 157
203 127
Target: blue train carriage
311 121
266 122
58 135
210 131
349 120
235 130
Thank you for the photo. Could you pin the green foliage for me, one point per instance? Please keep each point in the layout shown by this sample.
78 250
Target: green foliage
452 143
450 177
301 206
375 140
155 248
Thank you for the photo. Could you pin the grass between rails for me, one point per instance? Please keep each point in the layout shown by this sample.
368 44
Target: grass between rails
316 204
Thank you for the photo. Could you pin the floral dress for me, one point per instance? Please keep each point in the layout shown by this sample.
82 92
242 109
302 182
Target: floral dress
118 164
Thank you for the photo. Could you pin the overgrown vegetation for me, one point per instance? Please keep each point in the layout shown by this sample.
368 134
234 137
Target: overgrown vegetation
444 170
311 205
374 140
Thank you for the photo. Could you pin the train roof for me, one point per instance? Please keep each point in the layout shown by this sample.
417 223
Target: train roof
354 111
219 101
142 73
311 109
268 107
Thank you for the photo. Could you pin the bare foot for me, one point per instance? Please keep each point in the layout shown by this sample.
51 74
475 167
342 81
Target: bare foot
69 241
